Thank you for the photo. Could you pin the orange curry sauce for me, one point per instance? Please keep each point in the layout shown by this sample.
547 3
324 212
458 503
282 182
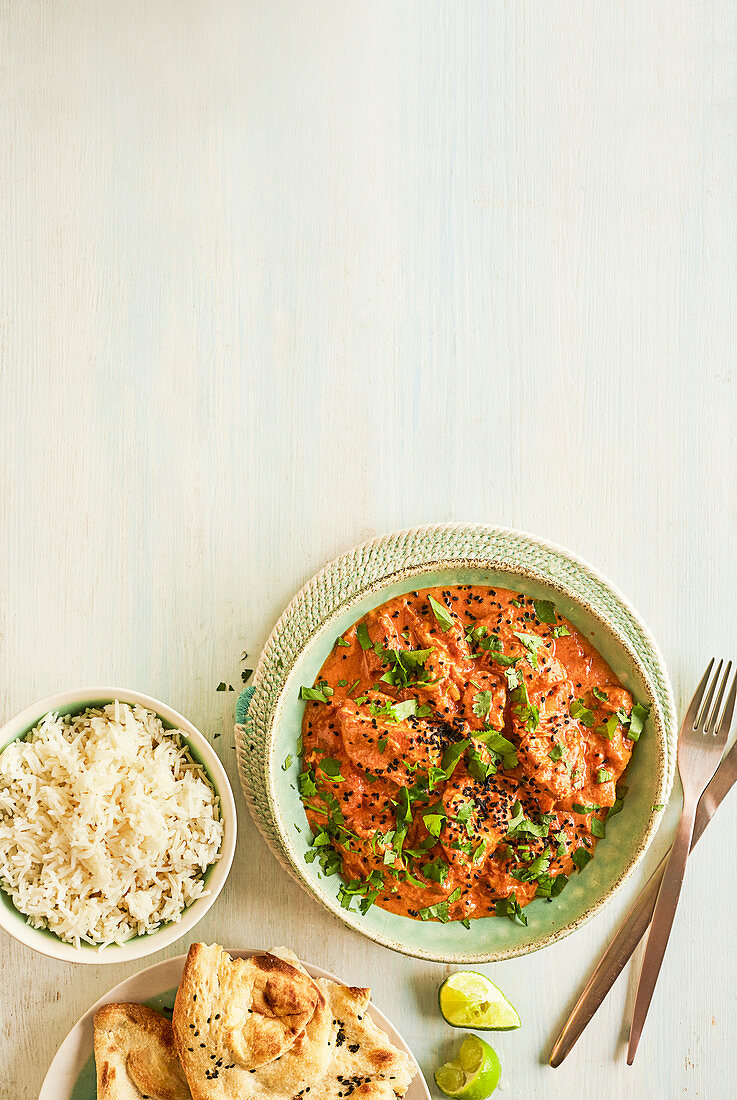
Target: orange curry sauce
461 749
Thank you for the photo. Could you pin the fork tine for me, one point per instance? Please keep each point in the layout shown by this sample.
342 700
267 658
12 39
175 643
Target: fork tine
710 724
705 707
690 719
726 720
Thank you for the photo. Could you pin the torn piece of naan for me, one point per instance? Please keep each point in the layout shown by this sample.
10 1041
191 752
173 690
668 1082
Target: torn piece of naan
234 1017
340 1053
135 1055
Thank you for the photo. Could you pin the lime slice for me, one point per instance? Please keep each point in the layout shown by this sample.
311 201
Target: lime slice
468 999
474 1074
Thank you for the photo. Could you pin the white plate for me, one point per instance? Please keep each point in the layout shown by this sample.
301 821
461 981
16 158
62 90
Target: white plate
71 1074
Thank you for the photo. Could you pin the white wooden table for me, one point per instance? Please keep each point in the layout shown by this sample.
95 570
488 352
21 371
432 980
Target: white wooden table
277 277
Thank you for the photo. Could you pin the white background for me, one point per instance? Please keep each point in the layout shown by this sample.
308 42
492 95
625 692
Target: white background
280 276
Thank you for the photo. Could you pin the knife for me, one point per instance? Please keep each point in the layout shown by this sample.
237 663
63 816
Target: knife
636 923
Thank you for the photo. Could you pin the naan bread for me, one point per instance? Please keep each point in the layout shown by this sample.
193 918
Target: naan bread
233 1018
340 1052
135 1055
365 1064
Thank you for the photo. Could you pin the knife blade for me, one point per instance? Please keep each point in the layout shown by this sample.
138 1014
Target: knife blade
637 921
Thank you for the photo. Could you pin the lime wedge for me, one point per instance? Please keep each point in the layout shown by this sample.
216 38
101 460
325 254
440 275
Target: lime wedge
468 999
474 1074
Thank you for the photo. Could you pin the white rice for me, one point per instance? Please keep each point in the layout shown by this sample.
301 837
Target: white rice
107 825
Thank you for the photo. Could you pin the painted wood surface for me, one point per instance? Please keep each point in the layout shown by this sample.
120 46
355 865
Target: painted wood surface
277 277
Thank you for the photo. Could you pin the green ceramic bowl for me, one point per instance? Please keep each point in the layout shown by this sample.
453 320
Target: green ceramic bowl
270 719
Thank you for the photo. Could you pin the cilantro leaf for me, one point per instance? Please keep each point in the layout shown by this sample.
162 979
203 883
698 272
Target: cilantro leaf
609 728
319 694
363 636
331 767
604 776
581 713
482 703
407 666
545 610
451 755
443 616
529 872
560 631
510 908
436 871
557 752
433 823
306 784
532 643
581 857
637 721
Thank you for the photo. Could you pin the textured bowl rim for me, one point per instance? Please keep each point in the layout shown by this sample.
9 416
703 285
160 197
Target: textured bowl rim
46 942
665 720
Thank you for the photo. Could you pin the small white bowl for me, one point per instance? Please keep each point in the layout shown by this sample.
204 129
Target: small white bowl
46 942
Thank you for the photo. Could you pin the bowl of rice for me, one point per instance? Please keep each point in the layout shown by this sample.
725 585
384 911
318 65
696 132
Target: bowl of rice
117 826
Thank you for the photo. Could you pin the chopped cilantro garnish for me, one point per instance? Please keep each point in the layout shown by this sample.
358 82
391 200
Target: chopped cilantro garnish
342 642
557 752
342 683
581 857
482 703
579 809
532 643
657 807
510 908
407 666
433 823
599 694
393 712
597 828
615 808
530 871
479 638
560 631
637 721
363 636
604 776
544 610
437 871
581 713
526 712
331 767
452 755
549 886
500 748
287 762
306 784
438 912
319 694
441 613
513 679
382 743
609 728
479 768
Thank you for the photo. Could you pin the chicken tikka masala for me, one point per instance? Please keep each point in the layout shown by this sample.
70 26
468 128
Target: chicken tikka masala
461 750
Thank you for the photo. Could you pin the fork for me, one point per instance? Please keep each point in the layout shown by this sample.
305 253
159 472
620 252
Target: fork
701 742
